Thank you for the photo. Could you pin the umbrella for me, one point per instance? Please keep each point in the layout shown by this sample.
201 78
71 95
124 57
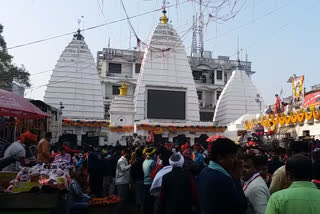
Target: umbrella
12 105
214 138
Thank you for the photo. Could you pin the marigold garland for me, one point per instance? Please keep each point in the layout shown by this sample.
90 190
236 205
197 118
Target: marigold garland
284 119
82 123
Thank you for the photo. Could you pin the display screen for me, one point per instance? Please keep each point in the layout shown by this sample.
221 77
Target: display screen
166 104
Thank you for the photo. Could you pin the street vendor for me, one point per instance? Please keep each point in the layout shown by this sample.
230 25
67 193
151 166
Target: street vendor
43 149
17 150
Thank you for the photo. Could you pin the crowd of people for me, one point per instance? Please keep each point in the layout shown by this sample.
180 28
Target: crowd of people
221 177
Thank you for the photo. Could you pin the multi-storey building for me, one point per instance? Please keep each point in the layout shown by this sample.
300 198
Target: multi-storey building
210 75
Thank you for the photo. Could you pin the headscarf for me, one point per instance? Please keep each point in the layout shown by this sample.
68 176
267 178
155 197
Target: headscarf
187 153
176 160
149 152
28 135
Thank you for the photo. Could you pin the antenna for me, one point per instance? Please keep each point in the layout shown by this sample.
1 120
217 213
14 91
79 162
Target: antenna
238 53
109 42
197 36
246 55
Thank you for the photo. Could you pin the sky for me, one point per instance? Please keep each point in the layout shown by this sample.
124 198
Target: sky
281 37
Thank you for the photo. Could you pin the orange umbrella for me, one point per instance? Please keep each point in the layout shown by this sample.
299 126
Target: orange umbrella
214 138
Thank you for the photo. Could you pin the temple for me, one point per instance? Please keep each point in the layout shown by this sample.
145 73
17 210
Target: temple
239 97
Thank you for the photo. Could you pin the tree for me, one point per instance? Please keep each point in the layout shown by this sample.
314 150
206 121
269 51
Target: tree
8 71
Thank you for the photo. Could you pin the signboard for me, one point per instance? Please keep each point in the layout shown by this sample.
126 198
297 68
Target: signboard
298 89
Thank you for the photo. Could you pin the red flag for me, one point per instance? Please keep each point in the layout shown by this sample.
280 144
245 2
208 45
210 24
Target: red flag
151 137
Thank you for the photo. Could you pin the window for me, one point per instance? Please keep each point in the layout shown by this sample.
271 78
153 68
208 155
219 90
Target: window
199 95
219 75
91 134
106 111
206 116
218 95
115 68
138 67
115 90
225 78
196 75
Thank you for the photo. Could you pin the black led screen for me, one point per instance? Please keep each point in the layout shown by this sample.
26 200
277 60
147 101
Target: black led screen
166 104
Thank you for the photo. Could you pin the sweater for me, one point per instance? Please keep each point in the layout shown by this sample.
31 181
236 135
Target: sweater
220 194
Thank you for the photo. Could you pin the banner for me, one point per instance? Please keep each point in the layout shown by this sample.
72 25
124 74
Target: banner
311 99
298 89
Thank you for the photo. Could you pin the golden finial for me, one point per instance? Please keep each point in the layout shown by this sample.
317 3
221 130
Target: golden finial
123 89
164 19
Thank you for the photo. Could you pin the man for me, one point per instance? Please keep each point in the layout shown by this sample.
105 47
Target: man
178 193
148 165
43 149
255 188
277 106
123 176
302 196
219 184
17 152
63 156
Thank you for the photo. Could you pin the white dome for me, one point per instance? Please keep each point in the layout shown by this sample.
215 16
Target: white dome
237 98
75 83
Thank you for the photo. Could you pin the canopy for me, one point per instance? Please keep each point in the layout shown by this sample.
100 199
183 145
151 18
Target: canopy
12 105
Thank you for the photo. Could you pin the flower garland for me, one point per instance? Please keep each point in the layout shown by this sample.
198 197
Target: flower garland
157 129
284 119
121 128
300 87
85 123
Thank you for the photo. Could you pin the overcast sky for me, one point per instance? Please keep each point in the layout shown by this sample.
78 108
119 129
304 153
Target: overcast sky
281 37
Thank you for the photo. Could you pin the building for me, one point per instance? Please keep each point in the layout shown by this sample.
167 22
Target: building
75 88
163 102
210 76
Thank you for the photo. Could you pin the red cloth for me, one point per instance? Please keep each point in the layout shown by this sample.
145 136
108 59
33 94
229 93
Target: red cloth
151 137
277 105
68 150
155 171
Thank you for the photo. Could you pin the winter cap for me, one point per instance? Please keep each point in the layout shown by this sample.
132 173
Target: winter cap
176 160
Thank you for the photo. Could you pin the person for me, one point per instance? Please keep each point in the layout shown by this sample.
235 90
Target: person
302 196
272 129
316 167
189 164
178 193
62 156
77 200
123 177
255 188
262 166
148 165
43 149
138 177
279 178
17 152
269 110
198 157
220 188
277 106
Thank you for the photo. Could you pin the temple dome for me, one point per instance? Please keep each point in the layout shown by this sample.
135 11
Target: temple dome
165 66
237 98
75 83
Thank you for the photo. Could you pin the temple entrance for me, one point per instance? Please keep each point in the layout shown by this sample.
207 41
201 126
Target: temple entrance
158 139
202 140
181 139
